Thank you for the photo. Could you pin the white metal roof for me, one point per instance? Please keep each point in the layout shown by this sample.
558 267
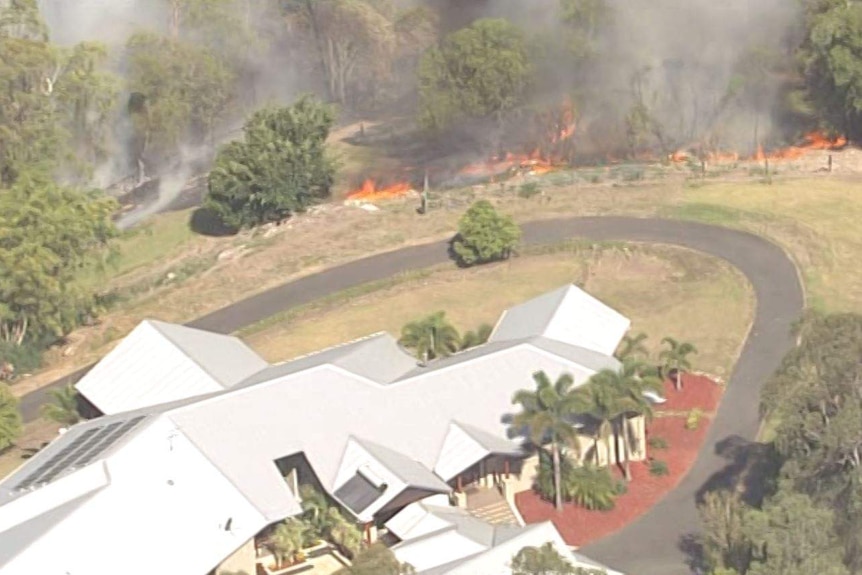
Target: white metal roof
362 405
160 362
156 490
569 315
438 540
317 410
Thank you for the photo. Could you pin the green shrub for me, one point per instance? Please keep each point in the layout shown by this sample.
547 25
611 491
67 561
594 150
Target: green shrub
591 487
693 419
529 190
657 442
658 468
23 358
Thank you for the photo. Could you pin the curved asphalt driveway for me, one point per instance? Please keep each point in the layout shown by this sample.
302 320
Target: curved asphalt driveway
650 545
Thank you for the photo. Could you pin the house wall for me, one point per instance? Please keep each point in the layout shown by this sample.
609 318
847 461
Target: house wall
241 562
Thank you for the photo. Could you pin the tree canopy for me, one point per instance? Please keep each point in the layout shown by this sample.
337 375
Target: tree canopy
376 559
478 72
48 233
11 424
280 168
546 560
810 519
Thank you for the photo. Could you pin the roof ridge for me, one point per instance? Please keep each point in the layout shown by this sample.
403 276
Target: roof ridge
563 291
336 346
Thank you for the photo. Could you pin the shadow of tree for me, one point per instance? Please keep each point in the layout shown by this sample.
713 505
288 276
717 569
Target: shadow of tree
205 222
751 471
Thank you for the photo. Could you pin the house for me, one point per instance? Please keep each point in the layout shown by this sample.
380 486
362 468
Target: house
212 449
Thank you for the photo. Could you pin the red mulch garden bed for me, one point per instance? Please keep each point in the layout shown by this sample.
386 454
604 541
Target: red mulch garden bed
697 391
579 526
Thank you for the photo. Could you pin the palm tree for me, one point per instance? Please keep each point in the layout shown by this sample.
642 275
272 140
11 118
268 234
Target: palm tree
478 337
629 385
599 401
431 336
675 357
10 417
632 347
546 414
64 406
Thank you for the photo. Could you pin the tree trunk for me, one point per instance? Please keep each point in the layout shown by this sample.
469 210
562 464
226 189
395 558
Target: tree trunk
678 379
558 492
315 28
596 449
626 450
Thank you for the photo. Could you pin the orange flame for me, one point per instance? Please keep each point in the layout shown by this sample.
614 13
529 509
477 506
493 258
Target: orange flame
813 141
369 191
532 163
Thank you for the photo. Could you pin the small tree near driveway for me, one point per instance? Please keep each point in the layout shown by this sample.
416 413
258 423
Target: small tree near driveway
484 235
675 358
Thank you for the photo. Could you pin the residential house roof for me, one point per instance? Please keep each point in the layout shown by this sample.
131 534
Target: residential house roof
362 414
160 362
568 315
441 540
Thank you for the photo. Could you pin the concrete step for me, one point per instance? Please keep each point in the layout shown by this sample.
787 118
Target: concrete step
497 513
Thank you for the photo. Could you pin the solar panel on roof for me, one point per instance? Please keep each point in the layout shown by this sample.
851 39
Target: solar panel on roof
56 460
79 452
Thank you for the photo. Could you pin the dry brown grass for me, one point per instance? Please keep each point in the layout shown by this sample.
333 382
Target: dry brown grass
656 286
811 216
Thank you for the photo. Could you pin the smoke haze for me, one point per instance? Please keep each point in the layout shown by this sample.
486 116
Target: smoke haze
681 56
680 60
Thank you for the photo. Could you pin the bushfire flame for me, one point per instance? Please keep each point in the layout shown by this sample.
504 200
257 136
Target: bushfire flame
812 141
531 163
370 191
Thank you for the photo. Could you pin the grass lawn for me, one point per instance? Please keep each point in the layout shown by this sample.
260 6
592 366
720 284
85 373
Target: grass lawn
815 220
653 285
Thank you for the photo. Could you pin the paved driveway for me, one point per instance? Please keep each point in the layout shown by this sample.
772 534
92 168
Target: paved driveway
650 545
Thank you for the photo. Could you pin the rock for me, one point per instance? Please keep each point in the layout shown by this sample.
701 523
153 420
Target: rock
171 276
232 253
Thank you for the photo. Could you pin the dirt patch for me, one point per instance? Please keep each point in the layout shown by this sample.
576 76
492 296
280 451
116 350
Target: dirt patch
579 526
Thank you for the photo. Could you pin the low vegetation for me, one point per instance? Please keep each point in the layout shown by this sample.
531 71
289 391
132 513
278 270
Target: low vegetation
320 521
485 235
433 336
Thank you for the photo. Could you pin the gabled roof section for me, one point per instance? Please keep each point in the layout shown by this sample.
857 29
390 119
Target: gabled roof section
160 362
410 471
226 358
442 540
376 357
435 558
491 442
569 315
